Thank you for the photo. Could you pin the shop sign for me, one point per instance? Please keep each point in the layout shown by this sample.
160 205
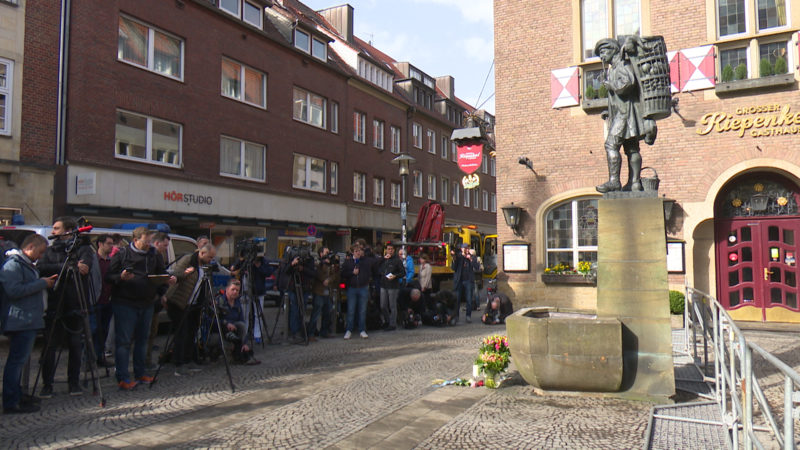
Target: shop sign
85 183
180 197
756 121
470 157
470 181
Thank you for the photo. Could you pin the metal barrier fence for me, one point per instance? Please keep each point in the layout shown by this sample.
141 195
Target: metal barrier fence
738 390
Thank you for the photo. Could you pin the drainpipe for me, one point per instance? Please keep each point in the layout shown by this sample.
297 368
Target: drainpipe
63 62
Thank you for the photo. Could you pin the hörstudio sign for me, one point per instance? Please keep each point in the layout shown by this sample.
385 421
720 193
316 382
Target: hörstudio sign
756 121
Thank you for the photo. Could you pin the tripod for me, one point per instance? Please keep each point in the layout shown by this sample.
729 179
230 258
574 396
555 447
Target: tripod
205 296
69 276
301 303
255 309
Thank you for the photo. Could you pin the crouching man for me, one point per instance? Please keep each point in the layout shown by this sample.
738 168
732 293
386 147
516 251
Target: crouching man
233 323
497 310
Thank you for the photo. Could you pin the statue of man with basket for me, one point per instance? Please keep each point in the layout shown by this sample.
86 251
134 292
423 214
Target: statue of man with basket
637 79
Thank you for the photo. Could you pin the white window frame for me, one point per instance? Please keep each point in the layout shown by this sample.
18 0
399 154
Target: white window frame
310 48
492 167
456 194
610 27
484 164
148 159
574 248
150 66
359 127
453 152
416 130
307 170
260 24
751 18
377 191
395 145
378 127
359 187
237 13
395 194
467 197
334 117
243 68
431 141
444 192
417 181
7 90
431 187
445 147
242 147
492 202
485 195
476 199
308 106
334 177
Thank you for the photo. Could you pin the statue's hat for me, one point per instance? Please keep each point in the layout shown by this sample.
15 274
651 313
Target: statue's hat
607 42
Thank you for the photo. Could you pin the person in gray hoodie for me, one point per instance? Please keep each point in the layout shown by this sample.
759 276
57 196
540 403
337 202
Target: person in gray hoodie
21 316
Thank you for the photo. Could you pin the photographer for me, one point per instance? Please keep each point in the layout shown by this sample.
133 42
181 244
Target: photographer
297 267
464 267
497 310
65 303
132 297
325 278
182 306
259 270
392 271
412 307
232 321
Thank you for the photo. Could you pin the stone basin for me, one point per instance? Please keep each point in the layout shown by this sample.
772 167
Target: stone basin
566 350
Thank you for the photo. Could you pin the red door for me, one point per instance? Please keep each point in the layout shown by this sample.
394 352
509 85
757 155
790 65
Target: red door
757 263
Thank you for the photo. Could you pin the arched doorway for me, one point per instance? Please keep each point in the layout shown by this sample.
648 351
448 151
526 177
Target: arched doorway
756 232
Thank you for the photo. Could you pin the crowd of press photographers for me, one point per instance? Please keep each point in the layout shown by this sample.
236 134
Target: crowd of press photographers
107 289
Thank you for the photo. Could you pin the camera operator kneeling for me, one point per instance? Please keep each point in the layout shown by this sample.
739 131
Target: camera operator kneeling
233 324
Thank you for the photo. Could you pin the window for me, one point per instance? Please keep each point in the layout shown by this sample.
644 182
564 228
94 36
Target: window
431 141
309 108
395 139
242 83
445 147
771 53
596 21
253 15
359 187
150 48
395 195
431 187
230 6
334 178
733 58
492 202
445 192
311 45
417 133
147 139
6 83
453 152
241 159
308 173
571 233
485 194
492 167
378 190
485 164
476 199
374 74
467 196
377 134
359 127
456 192
417 183
334 117
732 15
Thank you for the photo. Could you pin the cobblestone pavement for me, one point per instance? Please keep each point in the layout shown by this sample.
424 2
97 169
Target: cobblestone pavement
373 393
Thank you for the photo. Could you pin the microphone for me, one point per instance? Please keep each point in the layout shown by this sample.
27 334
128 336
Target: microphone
85 229
259 239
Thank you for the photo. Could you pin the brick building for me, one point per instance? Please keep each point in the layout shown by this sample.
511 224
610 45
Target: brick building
728 155
245 118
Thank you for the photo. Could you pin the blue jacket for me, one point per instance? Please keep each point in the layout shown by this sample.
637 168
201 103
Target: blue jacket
23 294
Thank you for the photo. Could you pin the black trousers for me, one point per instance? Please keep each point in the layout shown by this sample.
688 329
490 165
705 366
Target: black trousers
68 332
184 348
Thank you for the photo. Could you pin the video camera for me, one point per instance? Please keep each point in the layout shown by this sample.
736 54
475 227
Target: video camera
303 252
250 247
211 267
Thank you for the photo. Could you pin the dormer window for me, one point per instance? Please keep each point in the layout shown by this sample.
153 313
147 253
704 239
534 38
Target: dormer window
374 74
247 11
311 45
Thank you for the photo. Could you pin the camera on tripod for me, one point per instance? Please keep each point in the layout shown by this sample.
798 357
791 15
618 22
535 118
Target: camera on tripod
249 248
211 268
302 252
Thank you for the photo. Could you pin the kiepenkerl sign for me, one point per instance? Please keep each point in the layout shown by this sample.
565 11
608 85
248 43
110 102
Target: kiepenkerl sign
757 121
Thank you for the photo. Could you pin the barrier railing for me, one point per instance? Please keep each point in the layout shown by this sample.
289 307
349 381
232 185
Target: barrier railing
737 389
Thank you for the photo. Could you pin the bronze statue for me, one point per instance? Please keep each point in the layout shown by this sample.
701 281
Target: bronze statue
635 65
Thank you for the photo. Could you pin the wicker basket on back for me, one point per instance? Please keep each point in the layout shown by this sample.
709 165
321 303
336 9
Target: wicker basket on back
648 56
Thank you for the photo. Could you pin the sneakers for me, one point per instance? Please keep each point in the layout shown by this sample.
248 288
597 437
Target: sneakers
252 362
46 392
75 390
389 328
144 379
469 319
125 385
347 335
364 335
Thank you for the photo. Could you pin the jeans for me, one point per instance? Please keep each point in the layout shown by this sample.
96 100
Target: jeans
295 320
464 289
68 330
20 345
389 306
357 297
322 306
131 324
102 316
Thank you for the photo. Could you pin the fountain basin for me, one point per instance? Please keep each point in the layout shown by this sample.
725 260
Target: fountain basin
566 350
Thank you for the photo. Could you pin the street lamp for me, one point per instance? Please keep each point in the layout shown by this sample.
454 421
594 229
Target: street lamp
403 161
512 215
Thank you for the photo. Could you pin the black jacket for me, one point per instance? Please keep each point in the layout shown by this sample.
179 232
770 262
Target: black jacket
138 291
394 266
366 265
51 263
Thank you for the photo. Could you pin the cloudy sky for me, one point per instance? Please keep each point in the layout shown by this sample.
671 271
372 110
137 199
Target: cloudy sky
441 37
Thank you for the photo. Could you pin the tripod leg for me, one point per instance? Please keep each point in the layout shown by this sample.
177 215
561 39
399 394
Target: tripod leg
216 323
301 307
262 321
281 307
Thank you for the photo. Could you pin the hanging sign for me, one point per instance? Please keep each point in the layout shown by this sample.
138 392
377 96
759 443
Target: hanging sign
470 181
470 157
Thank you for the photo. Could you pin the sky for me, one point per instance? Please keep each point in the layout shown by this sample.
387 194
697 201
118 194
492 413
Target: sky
440 37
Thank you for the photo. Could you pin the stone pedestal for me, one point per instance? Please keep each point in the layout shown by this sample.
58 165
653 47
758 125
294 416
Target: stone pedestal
632 286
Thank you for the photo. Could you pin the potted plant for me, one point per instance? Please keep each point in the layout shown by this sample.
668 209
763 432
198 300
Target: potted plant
564 273
493 358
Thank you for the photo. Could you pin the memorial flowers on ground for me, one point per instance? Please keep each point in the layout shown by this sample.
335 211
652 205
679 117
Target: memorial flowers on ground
493 357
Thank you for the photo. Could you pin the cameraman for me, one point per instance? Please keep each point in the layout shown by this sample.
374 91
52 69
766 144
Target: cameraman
297 264
232 322
324 279
259 271
182 305
65 303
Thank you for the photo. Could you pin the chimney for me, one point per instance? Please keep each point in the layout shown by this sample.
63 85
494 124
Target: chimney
447 85
341 17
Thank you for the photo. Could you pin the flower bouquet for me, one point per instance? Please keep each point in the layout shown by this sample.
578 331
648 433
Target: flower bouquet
493 358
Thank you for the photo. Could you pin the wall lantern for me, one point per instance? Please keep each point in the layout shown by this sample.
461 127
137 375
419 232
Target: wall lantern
512 215
668 206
